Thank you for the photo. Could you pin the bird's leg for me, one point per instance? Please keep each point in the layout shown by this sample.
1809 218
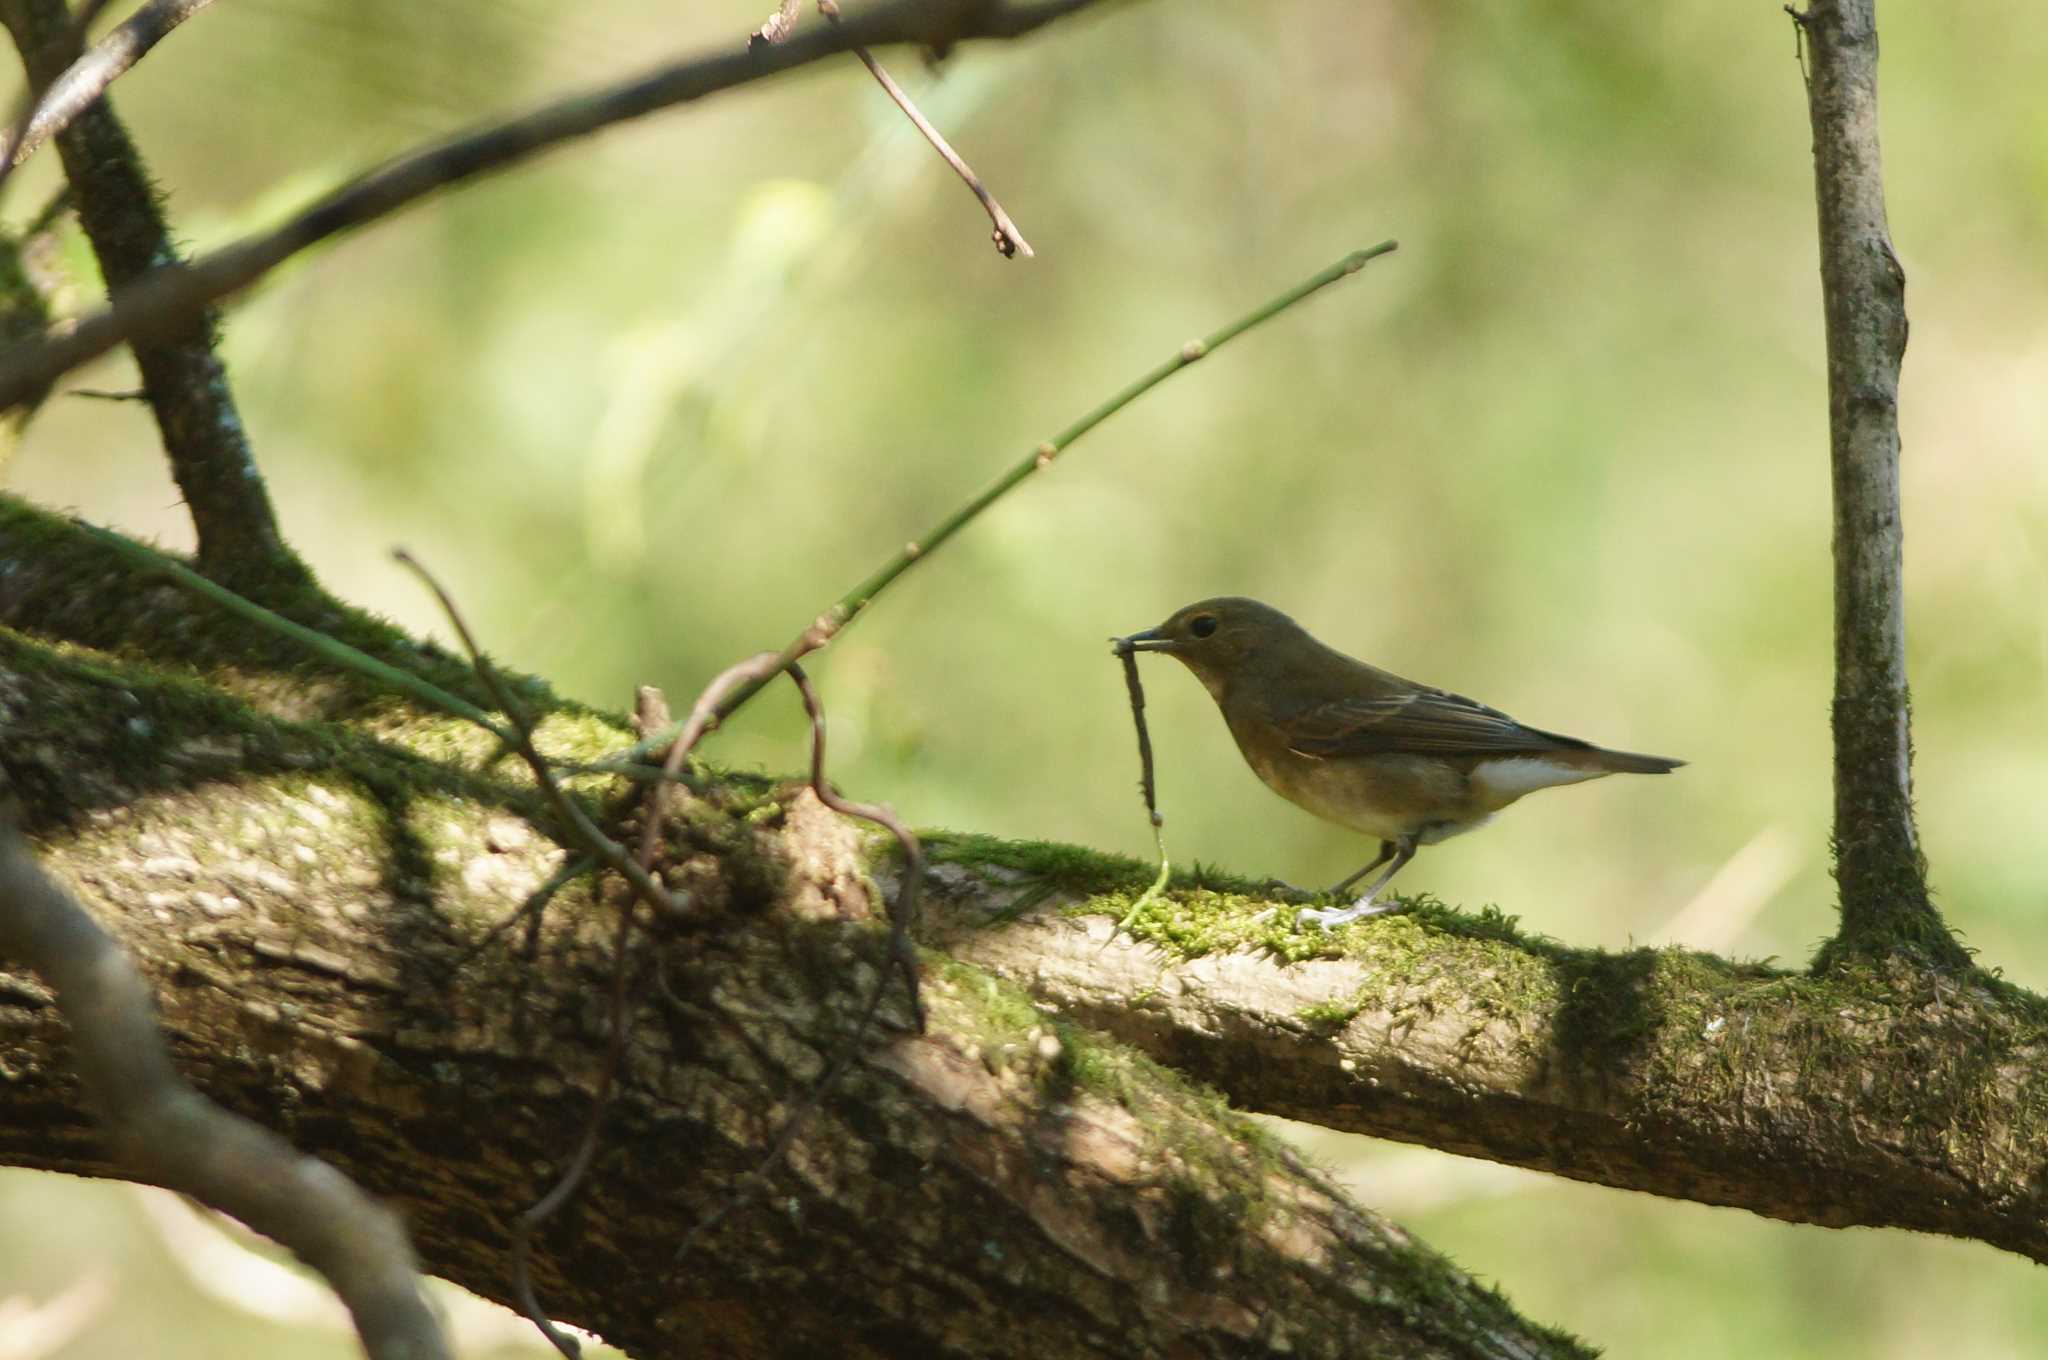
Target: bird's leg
1277 886
1368 905
1386 853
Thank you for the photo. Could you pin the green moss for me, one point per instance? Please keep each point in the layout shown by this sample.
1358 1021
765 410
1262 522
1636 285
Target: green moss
1006 1025
1434 1296
1076 869
1333 1015
1068 868
71 585
1909 929
1685 1024
104 730
1188 923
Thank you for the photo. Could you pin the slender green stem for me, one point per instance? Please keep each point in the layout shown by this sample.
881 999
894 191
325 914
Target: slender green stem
827 625
1151 894
340 653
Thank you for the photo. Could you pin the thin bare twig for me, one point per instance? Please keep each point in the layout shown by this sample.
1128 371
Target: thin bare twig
32 97
43 116
1009 241
174 293
572 1176
1128 655
167 1134
532 909
703 717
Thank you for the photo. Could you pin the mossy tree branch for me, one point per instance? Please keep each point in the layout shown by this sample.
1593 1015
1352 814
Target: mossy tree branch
333 994
1878 865
1855 1097
311 877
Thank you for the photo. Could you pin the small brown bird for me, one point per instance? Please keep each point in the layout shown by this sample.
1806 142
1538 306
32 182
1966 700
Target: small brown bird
1361 747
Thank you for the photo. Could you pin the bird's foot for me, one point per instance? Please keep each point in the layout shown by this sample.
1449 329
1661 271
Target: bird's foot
1339 916
1281 888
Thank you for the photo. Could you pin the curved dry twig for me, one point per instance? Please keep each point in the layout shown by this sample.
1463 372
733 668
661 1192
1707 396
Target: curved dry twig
639 873
1009 241
573 816
71 37
167 1134
903 913
704 718
1135 688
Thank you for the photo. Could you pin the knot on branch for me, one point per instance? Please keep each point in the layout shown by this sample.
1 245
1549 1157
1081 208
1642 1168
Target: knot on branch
823 852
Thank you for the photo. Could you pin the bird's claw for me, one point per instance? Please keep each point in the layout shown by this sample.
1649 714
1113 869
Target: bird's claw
1324 918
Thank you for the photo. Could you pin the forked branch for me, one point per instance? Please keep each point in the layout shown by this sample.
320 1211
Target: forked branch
182 377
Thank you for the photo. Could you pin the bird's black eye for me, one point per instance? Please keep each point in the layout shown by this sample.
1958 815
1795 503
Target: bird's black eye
1202 625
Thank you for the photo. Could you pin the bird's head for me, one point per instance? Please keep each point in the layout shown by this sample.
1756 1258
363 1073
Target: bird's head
1215 637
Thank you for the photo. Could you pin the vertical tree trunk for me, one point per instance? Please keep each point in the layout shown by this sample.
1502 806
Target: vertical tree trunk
1878 866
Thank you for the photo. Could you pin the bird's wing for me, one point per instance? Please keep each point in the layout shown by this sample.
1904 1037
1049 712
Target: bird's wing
1419 722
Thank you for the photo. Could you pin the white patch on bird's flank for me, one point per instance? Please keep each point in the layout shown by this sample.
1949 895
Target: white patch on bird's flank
1503 781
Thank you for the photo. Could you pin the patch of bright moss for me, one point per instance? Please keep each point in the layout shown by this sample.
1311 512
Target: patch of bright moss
1069 868
82 590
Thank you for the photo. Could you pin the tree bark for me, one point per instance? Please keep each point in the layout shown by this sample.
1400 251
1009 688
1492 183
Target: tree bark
311 875
1878 865
1857 1097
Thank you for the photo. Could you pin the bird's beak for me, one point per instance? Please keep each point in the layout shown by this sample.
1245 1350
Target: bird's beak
1151 640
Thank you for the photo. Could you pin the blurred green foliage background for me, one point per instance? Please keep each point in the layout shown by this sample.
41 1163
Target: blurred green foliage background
652 403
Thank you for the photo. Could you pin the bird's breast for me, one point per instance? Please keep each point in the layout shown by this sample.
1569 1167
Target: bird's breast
1388 796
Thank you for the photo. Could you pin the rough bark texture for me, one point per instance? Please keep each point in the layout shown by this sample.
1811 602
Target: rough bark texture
160 1130
310 873
1893 1098
1878 865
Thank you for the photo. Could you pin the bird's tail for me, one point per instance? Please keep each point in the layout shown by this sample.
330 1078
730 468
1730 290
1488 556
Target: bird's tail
1628 762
